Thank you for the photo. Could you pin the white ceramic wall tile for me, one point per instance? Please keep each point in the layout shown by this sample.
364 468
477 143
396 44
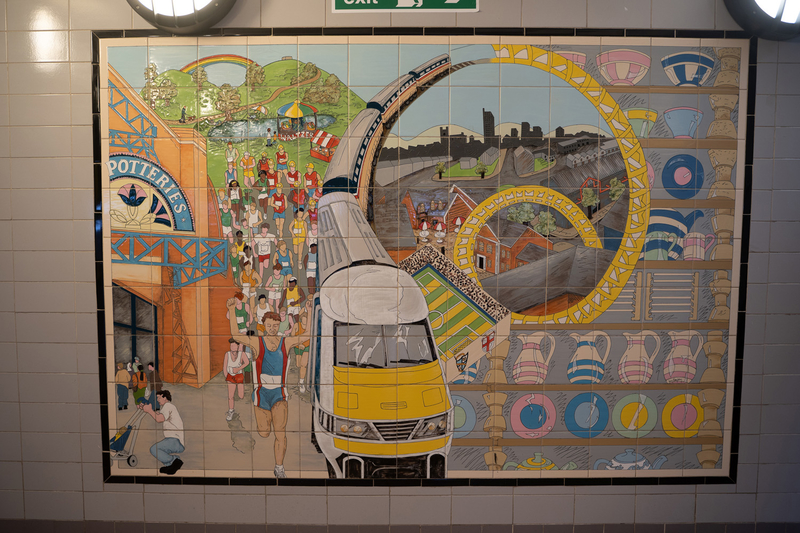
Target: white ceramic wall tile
684 14
35 357
6 296
173 507
44 297
61 327
34 15
244 14
363 510
562 14
723 19
252 508
39 141
44 265
52 476
4 78
294 509
12 505
111 506
80 45
427 20
428 510
297 13
39 110
100 15
357 20
618 14
37 46
53 505
12 476
497 13
39 78
11 446
477 509
9 382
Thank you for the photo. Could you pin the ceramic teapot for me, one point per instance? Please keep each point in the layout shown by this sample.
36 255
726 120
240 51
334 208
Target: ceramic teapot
531 365
586 365
629 460
681 363
636 365
538 462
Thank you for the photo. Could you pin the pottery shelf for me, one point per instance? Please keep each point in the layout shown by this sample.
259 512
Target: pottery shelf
595 387
597 441
684 265
706 203
690 144
669 89
722 324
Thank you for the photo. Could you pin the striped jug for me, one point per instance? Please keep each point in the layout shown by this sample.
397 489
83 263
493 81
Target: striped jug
636 365
530 368
586 365
681 363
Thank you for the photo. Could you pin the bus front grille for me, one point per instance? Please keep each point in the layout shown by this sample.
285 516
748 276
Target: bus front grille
400 430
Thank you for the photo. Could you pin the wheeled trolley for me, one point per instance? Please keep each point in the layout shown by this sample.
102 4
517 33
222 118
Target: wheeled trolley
123 443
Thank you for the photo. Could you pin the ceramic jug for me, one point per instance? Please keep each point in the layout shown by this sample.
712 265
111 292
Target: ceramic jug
586 365
695 246
629 460
538 462
636 365
673 221
531 366
681 363
658 245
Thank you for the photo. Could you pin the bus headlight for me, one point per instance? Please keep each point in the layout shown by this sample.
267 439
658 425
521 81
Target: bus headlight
343 427
432 427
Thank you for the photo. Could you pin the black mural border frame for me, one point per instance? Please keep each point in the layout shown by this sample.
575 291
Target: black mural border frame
97 36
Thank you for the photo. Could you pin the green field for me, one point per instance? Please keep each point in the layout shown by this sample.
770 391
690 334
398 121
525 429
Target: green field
541 164
456 171
201 103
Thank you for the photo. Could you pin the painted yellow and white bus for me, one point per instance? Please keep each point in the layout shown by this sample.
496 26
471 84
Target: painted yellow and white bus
381 406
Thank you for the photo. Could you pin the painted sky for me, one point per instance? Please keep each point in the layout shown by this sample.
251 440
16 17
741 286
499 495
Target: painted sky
513 93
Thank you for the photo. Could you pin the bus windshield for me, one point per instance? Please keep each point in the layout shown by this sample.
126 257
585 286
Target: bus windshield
396 346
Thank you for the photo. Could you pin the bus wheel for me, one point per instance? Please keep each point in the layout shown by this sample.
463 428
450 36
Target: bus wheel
437 467
352 469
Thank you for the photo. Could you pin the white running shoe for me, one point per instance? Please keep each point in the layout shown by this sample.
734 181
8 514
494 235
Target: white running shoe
302 386
280 473
229 415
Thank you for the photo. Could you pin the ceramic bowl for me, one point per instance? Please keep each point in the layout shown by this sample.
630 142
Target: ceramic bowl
623 67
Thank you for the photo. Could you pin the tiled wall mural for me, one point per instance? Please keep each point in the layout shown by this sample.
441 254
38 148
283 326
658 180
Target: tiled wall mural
438 257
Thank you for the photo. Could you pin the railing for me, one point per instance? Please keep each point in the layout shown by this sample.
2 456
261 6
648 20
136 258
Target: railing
200 258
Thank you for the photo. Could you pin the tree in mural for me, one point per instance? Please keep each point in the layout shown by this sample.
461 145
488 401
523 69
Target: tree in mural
441 168
254 75
167 90
589 200
546 224
481 169
617 189
228 99
309 71
199 76
150 92
521 213
324 93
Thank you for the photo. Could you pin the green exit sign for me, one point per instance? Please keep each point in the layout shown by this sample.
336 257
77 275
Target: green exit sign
404 5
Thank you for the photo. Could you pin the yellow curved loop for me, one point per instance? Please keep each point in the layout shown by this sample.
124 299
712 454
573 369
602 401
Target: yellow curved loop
624 262
531 194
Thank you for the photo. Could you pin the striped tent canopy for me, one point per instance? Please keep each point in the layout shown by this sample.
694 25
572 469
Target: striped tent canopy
296 109
325 139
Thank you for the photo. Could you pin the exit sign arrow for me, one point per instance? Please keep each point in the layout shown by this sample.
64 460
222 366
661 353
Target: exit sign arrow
404 5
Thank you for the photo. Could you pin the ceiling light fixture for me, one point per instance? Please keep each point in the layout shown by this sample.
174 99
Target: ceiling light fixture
182 17
774 20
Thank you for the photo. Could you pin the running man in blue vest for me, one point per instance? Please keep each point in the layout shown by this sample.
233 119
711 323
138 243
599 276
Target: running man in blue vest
271 361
